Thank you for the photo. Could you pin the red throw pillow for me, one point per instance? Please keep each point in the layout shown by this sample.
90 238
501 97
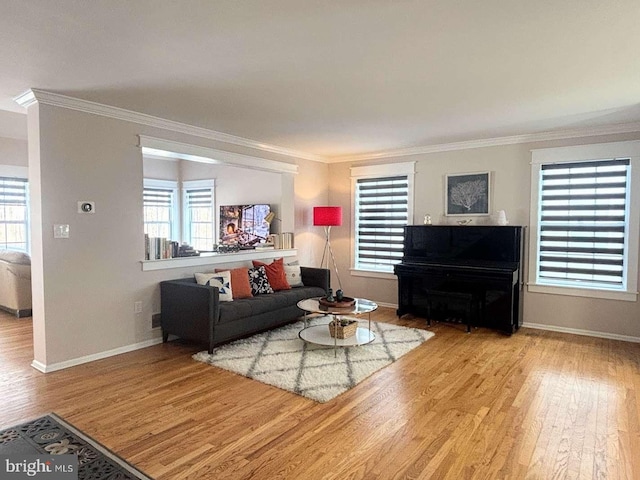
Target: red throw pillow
240 286
275 273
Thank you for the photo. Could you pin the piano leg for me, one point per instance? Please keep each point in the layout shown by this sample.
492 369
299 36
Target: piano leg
468 309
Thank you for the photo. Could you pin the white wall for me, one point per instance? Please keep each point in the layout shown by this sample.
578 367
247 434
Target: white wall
161 168
13 152
311 189
234 185
510 167
237 185
85 286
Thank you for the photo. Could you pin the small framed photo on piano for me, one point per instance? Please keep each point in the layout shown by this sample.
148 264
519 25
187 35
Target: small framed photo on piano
467 194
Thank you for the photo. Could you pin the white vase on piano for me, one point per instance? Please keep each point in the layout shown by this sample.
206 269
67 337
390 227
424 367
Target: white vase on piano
502 218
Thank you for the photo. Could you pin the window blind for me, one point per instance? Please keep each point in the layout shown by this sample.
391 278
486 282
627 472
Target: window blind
381 213
199 197
583 223
13 191
157 197
14 213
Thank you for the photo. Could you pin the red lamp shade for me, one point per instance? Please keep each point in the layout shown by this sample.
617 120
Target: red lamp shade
327 216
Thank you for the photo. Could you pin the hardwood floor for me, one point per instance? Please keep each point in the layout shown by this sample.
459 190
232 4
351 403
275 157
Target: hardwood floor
537 405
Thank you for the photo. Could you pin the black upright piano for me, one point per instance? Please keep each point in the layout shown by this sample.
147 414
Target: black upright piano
477 262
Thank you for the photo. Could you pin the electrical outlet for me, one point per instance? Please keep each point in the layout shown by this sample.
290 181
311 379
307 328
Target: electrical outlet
137 307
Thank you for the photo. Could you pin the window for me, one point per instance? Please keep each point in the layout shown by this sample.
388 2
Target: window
159 201
14 214
383 205
583 219
165 211
198 213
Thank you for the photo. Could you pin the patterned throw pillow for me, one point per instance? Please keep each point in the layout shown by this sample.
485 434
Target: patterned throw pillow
294 277
259 281
222 280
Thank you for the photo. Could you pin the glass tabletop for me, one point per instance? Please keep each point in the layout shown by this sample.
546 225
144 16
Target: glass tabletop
362 305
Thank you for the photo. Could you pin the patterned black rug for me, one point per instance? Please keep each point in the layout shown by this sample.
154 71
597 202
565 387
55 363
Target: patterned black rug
51 435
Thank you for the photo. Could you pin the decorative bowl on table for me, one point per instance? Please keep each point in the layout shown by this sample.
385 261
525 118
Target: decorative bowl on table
344 303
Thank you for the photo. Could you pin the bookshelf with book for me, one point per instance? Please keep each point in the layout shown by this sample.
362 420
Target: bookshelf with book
158 248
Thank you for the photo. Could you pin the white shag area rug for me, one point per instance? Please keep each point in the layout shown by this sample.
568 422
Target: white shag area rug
280 358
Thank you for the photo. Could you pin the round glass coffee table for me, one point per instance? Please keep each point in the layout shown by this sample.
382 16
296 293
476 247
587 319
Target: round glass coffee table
319 334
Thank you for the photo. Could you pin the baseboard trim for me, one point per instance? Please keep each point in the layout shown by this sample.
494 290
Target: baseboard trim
18 313
579 331
96 356
554 328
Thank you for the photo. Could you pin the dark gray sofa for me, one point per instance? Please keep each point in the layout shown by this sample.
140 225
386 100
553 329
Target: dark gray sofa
194 312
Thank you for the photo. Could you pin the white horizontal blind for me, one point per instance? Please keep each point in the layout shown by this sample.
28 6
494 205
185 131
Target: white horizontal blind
382 210
158 207
14 214
583 223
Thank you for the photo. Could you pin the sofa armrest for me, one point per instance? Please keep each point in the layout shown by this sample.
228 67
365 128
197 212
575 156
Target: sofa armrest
20 271
188 310
316 277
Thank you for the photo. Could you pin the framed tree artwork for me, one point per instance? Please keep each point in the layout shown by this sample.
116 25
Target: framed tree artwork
467 194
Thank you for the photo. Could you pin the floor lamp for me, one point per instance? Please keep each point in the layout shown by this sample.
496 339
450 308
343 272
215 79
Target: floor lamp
328 217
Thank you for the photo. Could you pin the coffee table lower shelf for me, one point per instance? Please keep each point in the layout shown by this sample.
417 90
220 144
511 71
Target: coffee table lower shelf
319 335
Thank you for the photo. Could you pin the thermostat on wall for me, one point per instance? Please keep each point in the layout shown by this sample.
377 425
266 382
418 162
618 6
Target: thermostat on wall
86 207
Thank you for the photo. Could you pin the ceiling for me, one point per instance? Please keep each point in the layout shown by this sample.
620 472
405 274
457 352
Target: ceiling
335 79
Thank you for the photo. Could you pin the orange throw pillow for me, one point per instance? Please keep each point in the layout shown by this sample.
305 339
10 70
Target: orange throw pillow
275 273
240 286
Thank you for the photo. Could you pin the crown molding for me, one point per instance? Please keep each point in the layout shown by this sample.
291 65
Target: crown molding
34 95
495 142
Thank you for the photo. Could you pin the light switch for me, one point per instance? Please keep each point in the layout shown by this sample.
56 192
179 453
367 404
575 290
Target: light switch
61 231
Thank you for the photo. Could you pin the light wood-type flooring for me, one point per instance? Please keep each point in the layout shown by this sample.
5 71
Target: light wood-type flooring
537 405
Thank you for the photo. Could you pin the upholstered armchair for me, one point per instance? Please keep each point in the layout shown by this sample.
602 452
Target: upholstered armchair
15 283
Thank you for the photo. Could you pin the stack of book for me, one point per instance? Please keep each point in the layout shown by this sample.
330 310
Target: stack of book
286 240
186 250
156 248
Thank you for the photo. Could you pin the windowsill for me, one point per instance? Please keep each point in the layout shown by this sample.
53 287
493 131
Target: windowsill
583 292
216 258
372 274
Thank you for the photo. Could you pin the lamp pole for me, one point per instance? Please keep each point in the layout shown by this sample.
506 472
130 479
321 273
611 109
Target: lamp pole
327 246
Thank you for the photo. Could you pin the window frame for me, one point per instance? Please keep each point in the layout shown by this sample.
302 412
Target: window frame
175 209
186 217
19 174
372 172
587 153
